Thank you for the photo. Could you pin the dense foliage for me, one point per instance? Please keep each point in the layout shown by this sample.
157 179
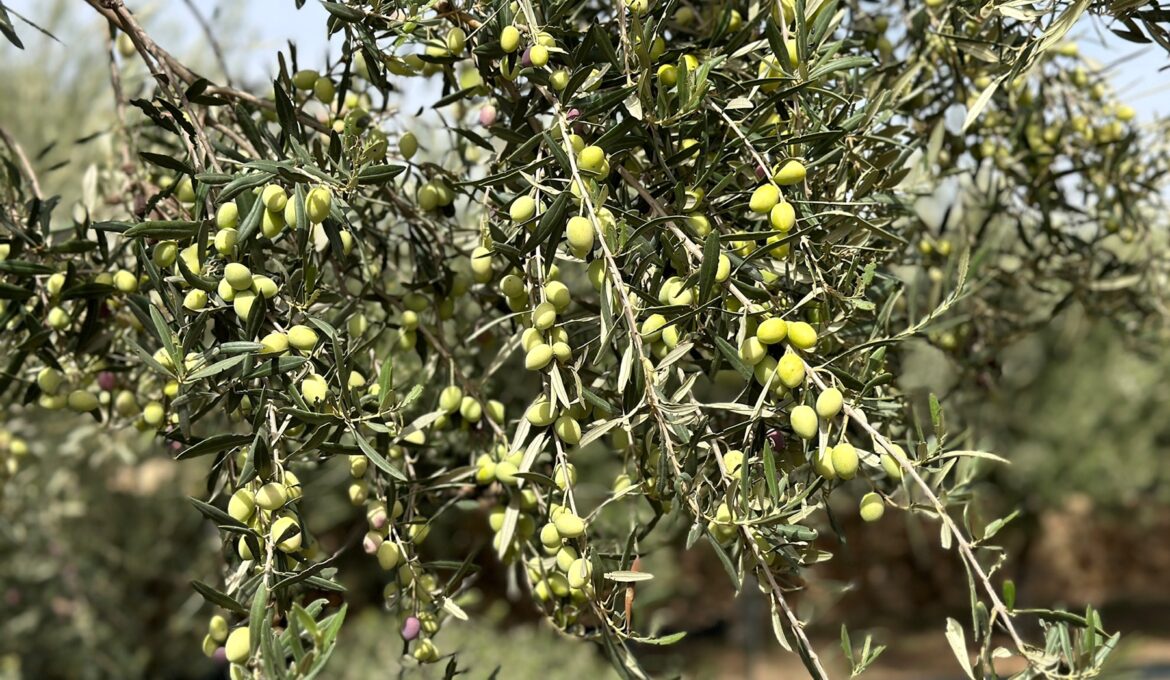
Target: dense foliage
688 236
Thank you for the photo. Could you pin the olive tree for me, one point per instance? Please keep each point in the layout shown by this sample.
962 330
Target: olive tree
690 235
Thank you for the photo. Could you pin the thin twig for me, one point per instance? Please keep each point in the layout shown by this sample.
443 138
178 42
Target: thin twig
216 49
115 11
964 545
25 166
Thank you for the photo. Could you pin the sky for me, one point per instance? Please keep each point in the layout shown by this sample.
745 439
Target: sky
269 24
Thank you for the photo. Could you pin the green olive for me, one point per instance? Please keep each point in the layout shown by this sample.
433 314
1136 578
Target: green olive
227 216
791 172
274 198
549 536
591 159
764 198
522 209
652 327
302 338
568 430
538 357
49 380
845 461
558 294
481 265
238 276
272 496
195 300
752 351
772 331
872 507
782 217
829 403
890 464
217 628
569 525
318 203
450 398
544 316
790 370
470 410
82 401
407 145
305 79
579 572
456 39
239 645
509 39
242 505
801 335
804 421
287 534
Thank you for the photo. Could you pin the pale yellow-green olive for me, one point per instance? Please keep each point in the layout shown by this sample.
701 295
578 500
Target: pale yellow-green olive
802 335
772 331
790 172
569 525
845 460
481 264
242 505
217 628
872 507
239 645
764 198
227 216
82 401
303 338
287 534
804 421
829 403
238 276
790 370
271 496
509 38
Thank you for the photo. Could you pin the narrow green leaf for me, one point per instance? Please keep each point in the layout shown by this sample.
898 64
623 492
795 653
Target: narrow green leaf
214 444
